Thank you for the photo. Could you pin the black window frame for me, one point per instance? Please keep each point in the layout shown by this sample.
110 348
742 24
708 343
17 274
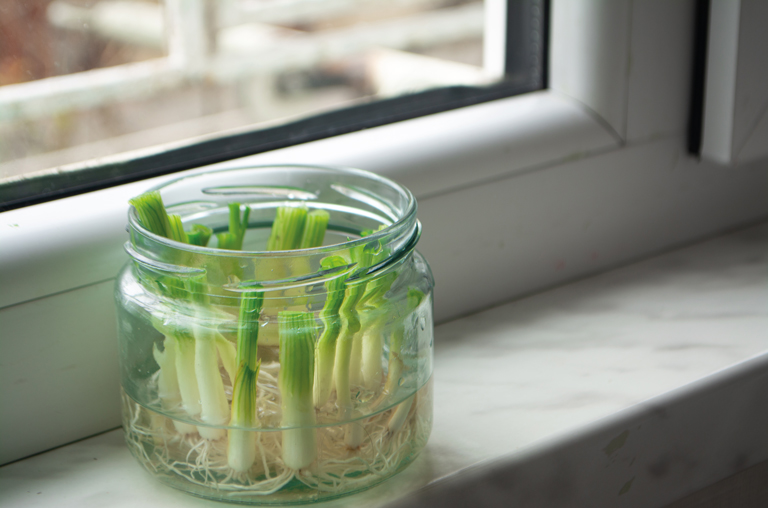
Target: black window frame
527 39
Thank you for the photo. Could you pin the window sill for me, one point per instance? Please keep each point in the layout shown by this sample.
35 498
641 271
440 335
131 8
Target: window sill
635 387
515 196
74 242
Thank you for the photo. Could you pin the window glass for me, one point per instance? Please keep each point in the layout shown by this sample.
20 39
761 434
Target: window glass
87 79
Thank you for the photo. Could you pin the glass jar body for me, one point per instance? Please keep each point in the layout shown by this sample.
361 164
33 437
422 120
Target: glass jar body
202 419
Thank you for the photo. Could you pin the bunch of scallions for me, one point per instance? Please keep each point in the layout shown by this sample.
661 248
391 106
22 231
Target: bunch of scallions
318 358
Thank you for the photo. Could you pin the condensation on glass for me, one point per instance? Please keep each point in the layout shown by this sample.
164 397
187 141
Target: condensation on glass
180 320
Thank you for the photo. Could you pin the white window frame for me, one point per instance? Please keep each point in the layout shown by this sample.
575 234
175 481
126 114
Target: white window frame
515 195
736 90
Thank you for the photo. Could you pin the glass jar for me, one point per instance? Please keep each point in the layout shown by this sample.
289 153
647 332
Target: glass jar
277 377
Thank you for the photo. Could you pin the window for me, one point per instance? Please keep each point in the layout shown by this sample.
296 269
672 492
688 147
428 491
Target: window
736 90
515 195
188 83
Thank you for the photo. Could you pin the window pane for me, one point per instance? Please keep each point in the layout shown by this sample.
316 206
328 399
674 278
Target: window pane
86 79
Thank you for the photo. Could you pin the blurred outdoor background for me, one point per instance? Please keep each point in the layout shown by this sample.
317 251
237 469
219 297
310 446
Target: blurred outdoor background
83 79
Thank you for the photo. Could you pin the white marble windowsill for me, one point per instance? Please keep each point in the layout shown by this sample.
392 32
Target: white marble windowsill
631 388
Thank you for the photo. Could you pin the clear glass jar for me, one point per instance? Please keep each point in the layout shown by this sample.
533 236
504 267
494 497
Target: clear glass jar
359 407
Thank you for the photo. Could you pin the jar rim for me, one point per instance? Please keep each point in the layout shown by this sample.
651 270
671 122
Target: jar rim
407 216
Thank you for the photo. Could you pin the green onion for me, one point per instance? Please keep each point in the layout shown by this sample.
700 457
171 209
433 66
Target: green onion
213 399
376 312
414 299
297 351
350 326
200 235
314 229
348 352
185 372
177 229
326 345
293 228
168 382
288 228
242 443
152 215
233 239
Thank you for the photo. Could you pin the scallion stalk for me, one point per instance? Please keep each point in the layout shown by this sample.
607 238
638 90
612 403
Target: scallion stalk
185 371
350 326
326 346
177 229
199 235
288 228
395 369
293 228
213 399
153 216
314 229
168 382
297 351
376 311
241 451
233 239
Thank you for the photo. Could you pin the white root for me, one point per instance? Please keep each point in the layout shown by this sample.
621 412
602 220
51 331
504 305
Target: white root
389 439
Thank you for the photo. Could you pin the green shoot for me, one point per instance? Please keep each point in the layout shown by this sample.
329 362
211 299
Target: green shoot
233 239
152 215
326 345
200 235
242 443
213 399
349 350
375 311
297 351
347 360
350 326
177 229
293 228
314 230
288 228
